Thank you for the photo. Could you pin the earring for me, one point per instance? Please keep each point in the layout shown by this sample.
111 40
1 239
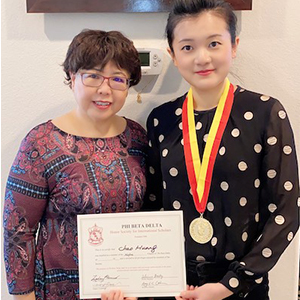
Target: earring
139 98
139 94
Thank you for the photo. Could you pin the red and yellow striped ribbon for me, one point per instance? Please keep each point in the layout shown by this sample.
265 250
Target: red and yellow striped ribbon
200 174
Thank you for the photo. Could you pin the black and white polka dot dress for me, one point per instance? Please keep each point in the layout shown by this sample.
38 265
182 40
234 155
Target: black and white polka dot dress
253 203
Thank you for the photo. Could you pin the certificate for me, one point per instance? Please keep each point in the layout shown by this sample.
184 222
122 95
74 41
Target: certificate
140 253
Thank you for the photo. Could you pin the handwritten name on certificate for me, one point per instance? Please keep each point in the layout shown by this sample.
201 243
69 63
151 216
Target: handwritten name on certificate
140 253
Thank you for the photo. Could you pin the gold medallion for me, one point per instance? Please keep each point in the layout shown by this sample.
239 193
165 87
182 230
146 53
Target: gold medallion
201 230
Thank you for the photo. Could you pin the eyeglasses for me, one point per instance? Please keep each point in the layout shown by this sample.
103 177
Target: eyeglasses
119 83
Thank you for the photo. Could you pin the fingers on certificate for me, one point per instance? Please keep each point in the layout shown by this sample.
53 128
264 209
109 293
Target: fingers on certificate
115 295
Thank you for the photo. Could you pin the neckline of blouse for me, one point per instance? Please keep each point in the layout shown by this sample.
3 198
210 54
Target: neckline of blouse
92 138
212 110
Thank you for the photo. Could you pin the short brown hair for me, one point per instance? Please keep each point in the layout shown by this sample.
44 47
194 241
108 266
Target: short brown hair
91 48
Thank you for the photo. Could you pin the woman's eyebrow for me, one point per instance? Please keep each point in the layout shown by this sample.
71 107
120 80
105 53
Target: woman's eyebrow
185 40
214 35
114 73
208 37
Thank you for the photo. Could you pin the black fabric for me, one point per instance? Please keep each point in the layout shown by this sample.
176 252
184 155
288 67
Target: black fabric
253 202
208 272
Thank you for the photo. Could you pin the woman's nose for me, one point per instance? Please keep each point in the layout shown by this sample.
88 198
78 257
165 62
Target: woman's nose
202 56
104 88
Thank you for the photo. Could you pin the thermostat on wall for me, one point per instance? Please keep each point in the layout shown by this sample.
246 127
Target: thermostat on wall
151 60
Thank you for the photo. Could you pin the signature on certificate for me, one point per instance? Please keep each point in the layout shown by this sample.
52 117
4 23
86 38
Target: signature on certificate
97 278
150 281
138 247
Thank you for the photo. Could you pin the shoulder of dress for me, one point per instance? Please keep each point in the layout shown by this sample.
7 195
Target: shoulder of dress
38 137
247 98
40 130
133 125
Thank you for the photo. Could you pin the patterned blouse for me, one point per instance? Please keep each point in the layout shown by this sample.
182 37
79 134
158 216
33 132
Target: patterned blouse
253 201
55 177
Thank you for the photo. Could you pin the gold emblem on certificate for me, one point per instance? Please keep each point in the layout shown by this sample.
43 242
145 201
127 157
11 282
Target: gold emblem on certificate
201 230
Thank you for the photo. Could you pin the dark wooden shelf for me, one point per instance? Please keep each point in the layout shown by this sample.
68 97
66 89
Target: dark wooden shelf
73 6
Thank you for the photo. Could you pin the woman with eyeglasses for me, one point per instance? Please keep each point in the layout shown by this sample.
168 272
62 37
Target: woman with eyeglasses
226 157
87 161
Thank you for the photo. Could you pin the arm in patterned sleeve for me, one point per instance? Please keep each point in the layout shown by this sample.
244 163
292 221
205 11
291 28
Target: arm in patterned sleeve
279 211
25 200
153 197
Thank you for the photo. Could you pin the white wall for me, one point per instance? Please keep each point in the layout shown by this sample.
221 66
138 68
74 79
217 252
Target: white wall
34 46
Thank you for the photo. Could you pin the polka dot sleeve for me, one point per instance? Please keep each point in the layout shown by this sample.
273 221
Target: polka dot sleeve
279 205
153 197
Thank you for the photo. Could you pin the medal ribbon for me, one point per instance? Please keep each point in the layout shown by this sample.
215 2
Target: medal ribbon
200 175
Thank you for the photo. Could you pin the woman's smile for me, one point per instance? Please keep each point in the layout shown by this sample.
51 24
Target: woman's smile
102 104
205 72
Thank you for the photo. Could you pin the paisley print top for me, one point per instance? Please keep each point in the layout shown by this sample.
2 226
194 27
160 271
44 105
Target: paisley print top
55 177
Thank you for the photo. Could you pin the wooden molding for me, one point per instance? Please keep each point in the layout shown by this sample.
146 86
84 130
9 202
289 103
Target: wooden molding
73 6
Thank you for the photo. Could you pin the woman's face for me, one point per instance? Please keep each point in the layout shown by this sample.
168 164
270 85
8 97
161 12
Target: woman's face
202 50
103 102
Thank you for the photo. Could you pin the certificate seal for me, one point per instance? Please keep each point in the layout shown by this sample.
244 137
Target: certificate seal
201 230
95 235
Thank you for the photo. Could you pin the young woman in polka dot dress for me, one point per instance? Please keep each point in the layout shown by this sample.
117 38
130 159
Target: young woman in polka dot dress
250 213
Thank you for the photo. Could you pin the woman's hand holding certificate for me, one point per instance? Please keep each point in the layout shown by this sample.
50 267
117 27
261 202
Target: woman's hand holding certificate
115 295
